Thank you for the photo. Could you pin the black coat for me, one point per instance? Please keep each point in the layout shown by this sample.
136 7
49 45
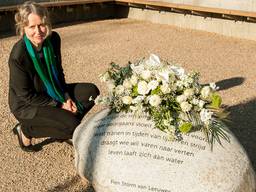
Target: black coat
26 90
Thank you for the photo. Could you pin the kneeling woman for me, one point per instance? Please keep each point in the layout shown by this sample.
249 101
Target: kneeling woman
39 98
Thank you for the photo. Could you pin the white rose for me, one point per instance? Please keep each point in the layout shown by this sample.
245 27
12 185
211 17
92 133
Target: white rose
205 92
185 106
206 115
134 80
153 85
181 98
146 74
138 99
189 92
165 88
127 84
127 100
154 100
119 90
153 61
138 69
179 71
163 76
143 88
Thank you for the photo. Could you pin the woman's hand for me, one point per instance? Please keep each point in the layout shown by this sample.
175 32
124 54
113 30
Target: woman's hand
70 105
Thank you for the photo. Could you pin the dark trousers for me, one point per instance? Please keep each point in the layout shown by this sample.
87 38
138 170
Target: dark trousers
58 123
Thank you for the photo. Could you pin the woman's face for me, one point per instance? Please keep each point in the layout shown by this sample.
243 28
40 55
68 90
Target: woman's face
35 30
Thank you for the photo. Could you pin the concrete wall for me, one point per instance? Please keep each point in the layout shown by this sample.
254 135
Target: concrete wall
226 27
243 5
64 15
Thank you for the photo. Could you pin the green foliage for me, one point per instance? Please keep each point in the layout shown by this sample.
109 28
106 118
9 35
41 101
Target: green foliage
156 91
204 113
135 91
216 101
119 74
185 127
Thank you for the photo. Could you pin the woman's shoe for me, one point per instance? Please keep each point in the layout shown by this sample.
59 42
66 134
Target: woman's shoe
17 131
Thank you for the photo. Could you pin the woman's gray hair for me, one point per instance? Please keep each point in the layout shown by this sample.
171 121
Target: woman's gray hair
21 17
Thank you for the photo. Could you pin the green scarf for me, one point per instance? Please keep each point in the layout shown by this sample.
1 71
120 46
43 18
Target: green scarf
49 74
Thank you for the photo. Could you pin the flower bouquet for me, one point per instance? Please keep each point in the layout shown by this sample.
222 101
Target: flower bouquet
174 100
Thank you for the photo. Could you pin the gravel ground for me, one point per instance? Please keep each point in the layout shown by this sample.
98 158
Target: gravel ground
87 49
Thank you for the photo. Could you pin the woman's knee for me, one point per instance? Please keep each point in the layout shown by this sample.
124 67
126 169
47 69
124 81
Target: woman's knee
96 91
86 90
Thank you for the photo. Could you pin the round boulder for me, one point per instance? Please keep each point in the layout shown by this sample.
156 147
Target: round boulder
118 152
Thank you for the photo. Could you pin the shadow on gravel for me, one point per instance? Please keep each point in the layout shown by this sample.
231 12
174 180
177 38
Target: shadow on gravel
67 185
243 121
243 125
231 82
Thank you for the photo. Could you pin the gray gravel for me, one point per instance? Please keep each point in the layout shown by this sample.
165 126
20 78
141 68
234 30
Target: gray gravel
87 49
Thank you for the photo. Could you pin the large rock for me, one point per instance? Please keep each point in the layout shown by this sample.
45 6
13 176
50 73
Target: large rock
121 153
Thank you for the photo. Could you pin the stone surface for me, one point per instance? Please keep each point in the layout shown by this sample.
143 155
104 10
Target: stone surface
121 153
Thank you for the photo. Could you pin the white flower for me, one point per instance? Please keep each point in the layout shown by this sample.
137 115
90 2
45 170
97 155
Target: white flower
133 108
134 80
119 90
189 92
213 86
138 109
154 100
138 69
153 61
127 84
181 98
185 106
127 100
110 86
138 99
195 101
165 88
146 74
205 92
163 76
201 104
153 85
206 115
179 71
143 88
104 77
183 116
102 100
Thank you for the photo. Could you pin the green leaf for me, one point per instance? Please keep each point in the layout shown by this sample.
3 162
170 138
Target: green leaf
134 91
216 101
156 91
185 127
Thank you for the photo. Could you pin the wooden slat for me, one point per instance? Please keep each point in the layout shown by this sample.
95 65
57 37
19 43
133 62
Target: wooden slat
147 3
190 7
57 4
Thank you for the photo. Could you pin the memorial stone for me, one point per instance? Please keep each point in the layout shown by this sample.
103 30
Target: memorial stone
118 152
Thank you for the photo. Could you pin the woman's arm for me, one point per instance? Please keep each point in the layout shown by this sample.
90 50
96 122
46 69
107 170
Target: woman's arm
23 86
